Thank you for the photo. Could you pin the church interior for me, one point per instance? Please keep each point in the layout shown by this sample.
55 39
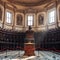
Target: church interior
29 29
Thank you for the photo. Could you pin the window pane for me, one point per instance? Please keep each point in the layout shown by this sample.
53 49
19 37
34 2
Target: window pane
9 17
7 14
29 17
30 20
29 23
51 16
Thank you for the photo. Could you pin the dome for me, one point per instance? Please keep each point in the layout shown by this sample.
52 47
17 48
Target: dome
29 2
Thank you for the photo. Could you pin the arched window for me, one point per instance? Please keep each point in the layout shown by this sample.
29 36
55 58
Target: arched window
0 14
19 19
41 19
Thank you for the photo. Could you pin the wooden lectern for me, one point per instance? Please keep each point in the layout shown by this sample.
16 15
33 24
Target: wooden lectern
29 45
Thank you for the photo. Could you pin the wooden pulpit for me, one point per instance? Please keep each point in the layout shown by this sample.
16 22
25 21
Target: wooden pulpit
29 45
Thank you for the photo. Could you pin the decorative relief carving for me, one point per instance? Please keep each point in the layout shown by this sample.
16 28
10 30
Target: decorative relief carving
19 19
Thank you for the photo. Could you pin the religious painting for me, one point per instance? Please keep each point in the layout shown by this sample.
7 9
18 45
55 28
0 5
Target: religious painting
19 19
0 14
41 19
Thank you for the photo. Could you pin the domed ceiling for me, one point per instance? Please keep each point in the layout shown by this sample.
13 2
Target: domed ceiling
29 2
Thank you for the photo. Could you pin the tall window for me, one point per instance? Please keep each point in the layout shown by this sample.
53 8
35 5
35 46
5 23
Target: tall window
51 16
30 20
8 17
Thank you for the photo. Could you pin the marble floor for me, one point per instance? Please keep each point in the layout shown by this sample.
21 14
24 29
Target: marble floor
39 55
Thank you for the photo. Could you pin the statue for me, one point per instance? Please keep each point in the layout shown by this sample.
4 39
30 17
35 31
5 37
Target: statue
30 27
